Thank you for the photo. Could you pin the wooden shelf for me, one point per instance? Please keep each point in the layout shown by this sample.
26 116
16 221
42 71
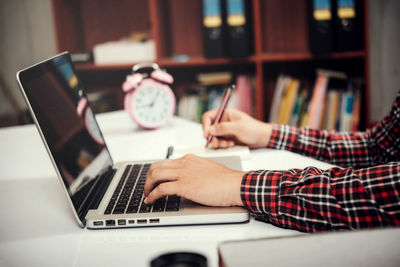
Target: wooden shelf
279 30
274 57
201 61
167 62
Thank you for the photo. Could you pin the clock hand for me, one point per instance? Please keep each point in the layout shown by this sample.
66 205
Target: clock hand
146 105
154 99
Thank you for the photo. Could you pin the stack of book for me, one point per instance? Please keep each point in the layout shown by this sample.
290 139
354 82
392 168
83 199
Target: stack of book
207 94
333 103
335 25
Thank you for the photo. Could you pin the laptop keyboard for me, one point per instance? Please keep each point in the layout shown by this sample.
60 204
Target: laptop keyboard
128 195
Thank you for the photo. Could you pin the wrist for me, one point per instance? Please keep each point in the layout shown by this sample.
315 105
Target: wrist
236 182
265 134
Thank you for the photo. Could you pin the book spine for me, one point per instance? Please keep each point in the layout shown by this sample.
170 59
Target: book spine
290 101
238 30
295 118
320 21
276 100
213 29
356 113
316 104
243 91
347 24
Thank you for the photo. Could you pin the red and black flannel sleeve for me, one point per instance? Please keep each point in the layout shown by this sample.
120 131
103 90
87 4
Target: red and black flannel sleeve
365 192
315 200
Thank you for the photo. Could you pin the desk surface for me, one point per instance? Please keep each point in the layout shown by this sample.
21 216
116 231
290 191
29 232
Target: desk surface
38 227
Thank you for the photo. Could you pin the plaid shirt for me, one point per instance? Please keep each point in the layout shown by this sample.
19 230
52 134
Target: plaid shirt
363 192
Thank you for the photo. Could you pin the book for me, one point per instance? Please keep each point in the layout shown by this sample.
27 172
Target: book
347 25
191 104
215 98
238 28
124 51
298 107
334 102
207 94
320 26
213 29
357 110
303 117
288 101
317 100
346 112
316 106
332 109
276 100
214 78
243 94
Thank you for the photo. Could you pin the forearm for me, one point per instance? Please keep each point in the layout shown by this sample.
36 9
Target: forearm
316 200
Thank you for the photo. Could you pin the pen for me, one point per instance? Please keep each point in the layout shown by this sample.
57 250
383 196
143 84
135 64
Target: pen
227 95
169 151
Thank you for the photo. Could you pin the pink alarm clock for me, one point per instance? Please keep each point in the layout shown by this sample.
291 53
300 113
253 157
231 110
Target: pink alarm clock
149 100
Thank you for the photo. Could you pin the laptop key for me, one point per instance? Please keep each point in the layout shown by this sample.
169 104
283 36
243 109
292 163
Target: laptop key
145 208
108 211
173 203
118 211
131 209
159 204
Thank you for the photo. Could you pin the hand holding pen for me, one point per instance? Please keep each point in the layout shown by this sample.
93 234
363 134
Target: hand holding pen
235 127
225 100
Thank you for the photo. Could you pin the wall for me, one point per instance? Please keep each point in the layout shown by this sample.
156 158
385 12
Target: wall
27 36
384 55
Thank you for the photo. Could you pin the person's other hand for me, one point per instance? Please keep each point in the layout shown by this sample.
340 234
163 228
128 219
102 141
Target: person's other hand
235 127
194 178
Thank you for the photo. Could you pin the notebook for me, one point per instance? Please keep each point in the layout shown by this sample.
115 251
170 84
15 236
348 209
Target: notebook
102 194
241 151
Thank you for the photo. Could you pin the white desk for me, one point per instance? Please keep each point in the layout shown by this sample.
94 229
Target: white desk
37 227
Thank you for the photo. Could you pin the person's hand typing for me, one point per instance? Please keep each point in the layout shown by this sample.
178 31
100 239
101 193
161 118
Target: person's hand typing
194 178
236 127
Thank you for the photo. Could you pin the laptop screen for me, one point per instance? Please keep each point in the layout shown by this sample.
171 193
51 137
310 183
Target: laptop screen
69 128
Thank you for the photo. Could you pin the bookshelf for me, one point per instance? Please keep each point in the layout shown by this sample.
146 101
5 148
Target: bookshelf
280 39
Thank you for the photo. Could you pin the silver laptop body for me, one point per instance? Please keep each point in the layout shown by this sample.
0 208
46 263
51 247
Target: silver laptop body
92 182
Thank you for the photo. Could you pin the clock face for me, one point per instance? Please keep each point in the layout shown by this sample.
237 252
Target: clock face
152 104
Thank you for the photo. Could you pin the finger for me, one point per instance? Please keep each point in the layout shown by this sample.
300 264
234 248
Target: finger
164 164
224 129
207 120
157 176
209 117
223 143
215 142
231 143
164 189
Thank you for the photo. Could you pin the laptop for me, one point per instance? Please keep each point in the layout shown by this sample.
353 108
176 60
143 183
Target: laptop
102 194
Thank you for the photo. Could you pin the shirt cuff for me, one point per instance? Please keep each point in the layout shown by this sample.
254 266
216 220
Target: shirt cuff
283 137
259 193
